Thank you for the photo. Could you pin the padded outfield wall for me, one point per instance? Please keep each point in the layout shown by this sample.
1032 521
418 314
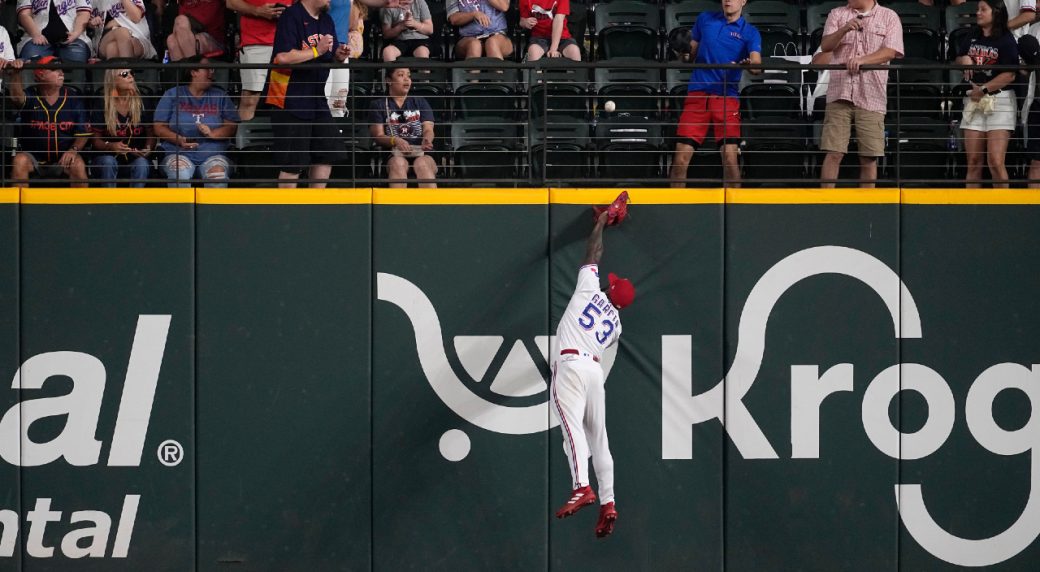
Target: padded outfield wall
355 379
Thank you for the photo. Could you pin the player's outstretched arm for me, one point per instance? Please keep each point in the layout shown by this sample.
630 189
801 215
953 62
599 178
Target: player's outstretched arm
594 246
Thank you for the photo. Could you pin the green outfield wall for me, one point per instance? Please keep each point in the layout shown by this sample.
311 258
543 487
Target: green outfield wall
355 379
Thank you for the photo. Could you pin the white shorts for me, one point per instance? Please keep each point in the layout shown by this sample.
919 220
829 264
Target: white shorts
254 79
1002 117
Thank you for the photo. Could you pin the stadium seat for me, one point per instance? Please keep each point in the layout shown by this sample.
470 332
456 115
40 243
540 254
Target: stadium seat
484 149
916 92
957 39
633 90
630 149
626 29
921 31
560 88
816 18
758 100
486 89
921 151
956 17
676 83
774 150
560 151
779 25
772 93
253 158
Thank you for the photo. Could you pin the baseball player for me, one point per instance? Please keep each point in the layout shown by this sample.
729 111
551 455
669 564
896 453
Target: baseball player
589 325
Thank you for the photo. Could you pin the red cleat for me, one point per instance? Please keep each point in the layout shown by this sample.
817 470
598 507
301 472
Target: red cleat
580 498
607 516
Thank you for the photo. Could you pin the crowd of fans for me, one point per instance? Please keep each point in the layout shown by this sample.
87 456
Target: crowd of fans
187 130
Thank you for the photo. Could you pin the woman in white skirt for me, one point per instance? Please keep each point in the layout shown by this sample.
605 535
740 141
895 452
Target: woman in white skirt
124 30
989 106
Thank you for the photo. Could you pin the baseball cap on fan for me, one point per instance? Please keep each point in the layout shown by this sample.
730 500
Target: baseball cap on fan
46 63
621 291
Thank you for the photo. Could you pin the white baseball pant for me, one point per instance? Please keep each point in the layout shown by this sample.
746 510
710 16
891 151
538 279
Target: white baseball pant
579 400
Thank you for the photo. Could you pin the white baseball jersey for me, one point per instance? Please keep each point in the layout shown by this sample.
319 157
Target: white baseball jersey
590 323
1016 7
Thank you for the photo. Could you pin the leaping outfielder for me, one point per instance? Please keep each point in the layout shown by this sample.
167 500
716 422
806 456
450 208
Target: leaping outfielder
589 325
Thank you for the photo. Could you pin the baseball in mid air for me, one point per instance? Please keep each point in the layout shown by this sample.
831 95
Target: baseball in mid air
609 107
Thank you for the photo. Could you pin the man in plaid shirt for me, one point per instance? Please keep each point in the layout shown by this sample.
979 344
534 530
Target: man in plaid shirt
859 34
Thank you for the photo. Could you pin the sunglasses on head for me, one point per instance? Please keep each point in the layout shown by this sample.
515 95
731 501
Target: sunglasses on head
126 74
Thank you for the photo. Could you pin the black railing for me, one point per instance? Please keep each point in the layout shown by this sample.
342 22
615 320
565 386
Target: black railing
501 123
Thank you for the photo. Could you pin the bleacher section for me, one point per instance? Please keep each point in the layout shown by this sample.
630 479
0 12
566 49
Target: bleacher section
547 125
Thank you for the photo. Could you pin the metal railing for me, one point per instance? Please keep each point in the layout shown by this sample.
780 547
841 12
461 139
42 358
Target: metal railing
501 123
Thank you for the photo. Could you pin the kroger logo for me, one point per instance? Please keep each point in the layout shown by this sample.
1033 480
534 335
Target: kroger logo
681 411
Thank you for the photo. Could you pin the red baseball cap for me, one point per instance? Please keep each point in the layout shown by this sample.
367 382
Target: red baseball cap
49 62
621 291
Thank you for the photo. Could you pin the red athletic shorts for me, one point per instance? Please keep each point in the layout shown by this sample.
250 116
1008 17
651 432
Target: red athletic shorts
701 111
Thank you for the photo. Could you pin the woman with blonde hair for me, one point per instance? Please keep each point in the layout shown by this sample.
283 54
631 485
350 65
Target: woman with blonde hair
123 137
338 85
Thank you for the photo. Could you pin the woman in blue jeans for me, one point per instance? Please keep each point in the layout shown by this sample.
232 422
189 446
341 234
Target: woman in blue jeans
54 28
195 124
123 135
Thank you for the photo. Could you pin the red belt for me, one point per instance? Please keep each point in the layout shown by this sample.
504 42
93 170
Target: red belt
572 351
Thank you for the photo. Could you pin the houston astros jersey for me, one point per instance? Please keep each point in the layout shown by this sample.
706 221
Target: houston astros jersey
590 323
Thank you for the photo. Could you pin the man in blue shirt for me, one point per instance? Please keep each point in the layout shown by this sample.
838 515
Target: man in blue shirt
716 38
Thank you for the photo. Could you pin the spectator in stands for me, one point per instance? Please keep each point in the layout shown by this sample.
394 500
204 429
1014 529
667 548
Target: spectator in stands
407 30
403 125
53 127
723 37
859 34
257 24
989 107
198 29
123 136
1029 51
7 59
1021 13
124 30
195 124
482 28
303 129
547 21
349 17
54 28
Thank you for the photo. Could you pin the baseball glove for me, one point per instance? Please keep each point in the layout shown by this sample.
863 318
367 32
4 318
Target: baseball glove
617 211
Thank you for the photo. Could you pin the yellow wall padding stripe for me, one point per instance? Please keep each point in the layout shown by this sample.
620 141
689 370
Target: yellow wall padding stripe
75 196
538 196
971 196
812 196
604 196
533 196
302 196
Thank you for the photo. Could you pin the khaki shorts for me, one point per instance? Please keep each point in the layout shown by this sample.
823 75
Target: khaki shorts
254 79
837 129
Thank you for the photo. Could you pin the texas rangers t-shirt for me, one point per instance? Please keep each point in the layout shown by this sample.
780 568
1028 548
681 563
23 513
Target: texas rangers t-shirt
184 113
47 130
590 323
404 121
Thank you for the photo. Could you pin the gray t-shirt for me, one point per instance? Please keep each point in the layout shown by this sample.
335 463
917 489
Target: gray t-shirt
420 12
